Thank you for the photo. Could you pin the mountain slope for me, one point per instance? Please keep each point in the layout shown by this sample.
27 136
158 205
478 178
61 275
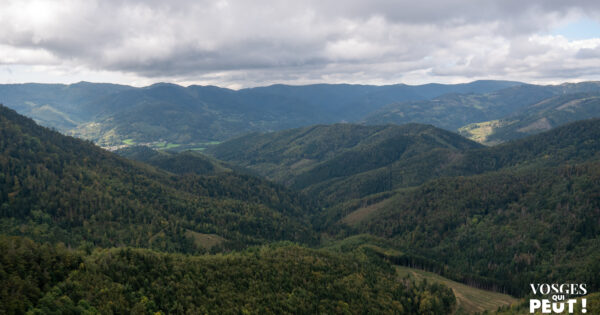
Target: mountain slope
545 115
457 110
57 188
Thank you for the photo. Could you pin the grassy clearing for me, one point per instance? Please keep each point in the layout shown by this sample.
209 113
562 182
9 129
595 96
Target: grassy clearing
479 131
172 145
469 300
129 141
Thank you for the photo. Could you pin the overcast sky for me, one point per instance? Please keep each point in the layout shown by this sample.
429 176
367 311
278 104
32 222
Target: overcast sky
243 43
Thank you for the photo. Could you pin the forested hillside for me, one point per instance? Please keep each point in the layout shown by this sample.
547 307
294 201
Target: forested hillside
341 162
509 227
60 106
65 193
57 188
186 162
269 280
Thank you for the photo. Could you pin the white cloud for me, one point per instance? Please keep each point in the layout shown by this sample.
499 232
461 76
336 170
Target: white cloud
247 43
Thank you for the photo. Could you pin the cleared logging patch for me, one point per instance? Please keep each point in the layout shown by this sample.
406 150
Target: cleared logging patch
206 241
469 300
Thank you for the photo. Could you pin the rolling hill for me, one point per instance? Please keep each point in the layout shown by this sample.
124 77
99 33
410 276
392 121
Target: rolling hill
91 231
59 106
342 161
496 217
573 143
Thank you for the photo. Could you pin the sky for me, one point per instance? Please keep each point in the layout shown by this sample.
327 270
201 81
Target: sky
246 43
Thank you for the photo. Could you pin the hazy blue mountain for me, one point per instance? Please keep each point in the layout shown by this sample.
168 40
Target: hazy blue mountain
344 102
164 115
57 105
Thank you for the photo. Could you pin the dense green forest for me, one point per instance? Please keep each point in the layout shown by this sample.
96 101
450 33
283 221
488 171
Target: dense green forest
57 188
278 279
508 215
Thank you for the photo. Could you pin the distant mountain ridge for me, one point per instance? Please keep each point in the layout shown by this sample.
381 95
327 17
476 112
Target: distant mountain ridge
163 114
169 116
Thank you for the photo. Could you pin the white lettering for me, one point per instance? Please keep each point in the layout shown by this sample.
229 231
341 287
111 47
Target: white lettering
545 289
558 307
546 306
534 305
571 303
534 288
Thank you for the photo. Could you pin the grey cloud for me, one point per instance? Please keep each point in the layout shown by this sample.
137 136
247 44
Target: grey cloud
266 41
587 53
